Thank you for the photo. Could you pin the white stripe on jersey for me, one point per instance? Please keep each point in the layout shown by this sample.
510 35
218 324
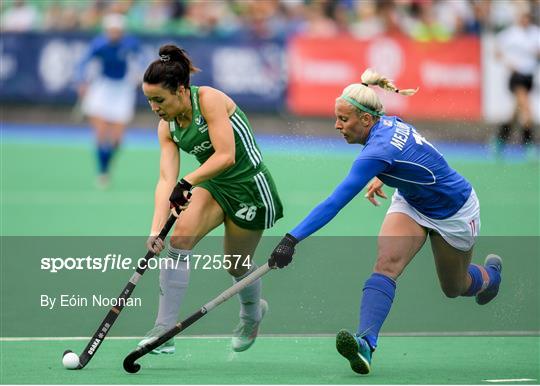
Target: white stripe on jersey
263 196
247 139
266 196
268 200
414 182
249 135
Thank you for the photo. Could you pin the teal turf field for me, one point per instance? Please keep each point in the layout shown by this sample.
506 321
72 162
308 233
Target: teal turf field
50 204
400 360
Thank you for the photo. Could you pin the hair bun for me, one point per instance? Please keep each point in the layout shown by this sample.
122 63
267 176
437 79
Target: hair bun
171 53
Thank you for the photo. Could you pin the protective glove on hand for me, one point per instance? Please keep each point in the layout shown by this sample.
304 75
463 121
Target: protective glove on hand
283 252
180 195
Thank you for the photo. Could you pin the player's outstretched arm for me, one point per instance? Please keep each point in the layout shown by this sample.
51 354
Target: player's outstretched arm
361 172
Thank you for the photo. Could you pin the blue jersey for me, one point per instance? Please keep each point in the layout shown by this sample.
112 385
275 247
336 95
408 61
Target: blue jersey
401 158
113 55
419 172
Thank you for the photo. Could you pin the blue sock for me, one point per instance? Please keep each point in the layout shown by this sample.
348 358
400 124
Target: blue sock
482 278
105 152
379 292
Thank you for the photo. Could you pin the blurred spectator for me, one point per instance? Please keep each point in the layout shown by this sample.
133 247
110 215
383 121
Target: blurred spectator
368 23
423 20
502 13
261 19
453 15
90 18
62 17
151 16
519 50
479 21
318 21
375 18
294 16
425 26
20 17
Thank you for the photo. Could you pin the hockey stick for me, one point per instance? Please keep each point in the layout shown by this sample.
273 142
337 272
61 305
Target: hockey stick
129 361
110 318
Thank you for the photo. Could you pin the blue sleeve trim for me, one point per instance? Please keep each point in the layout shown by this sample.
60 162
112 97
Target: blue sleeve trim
362 171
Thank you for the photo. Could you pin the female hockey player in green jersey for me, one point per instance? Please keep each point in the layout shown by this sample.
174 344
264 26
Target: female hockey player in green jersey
232 186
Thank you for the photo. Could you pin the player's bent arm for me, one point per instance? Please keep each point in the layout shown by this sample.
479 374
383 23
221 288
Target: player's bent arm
80 70
375 188
169 167
361 172
214 109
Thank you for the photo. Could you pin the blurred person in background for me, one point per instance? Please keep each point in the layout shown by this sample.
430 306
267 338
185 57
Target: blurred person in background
479 21
518 48
19 17
108 99
319 21
261 19
153 16
425 26
92 13
375 18
453 15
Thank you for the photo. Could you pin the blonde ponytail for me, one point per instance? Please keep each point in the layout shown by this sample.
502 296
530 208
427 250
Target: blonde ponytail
365 99
370 77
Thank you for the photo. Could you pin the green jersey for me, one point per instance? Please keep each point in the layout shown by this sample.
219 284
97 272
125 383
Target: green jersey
195 140
246 191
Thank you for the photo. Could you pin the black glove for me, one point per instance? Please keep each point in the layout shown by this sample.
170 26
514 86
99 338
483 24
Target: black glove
179 197
283 252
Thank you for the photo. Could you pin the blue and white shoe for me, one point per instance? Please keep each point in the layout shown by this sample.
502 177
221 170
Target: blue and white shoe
493 262
356 350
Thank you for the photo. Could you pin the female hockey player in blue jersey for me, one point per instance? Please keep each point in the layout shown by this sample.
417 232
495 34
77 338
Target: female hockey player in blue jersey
431 199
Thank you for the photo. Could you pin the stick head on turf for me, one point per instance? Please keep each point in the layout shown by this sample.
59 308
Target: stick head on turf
131 367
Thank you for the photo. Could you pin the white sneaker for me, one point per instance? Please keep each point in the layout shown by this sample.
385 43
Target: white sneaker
103 181
166 348
246 331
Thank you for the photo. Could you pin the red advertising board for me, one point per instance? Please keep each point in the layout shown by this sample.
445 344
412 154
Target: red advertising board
448 75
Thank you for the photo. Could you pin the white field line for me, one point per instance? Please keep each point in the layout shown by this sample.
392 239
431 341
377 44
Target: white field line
510 380
295 336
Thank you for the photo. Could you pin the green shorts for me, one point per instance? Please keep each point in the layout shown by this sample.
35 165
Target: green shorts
251 203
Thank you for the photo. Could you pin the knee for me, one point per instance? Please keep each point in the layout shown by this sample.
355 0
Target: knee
237 272
451 291
182 242
238 269
388 265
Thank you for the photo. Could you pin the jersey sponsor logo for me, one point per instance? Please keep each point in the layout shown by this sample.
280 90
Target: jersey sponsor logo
203 126
199 120
197 149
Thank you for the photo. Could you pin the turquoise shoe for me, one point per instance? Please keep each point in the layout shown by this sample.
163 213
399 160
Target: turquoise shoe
356 350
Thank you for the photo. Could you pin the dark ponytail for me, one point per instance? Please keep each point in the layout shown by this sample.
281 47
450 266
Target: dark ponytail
171 70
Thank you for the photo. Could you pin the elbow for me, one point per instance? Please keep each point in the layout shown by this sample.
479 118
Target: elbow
228 160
